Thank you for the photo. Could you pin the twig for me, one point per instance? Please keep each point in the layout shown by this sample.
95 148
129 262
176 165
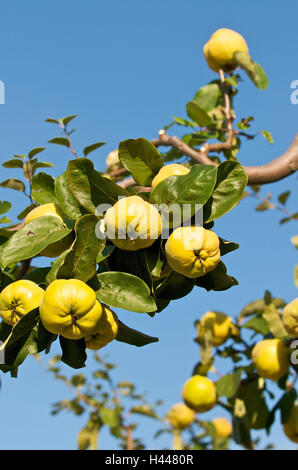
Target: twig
67 135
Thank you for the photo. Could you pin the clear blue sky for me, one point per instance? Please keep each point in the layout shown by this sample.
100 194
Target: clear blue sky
126 68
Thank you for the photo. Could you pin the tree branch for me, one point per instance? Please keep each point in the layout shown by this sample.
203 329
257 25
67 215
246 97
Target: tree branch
277 169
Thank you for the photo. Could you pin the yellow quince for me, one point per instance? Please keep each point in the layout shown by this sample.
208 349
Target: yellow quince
19 298
69 307
107 330
199 393
271 358
291 426
220 324
192 251
223 427
174 169
132 223
180 416
220 49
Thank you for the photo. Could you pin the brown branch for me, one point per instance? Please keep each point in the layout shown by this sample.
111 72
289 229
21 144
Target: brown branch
277 169
67 135
25 265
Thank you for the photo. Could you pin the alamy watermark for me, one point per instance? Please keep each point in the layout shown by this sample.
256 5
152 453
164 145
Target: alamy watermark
143 222
294 94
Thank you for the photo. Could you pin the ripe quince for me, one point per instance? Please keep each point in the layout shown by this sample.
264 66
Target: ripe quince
107 330
55 249
291 426
19 298
199 393
220 325
290 317
180 416
219 50
192 251
112 159
174 169
70 308
132 223
271 358
223 427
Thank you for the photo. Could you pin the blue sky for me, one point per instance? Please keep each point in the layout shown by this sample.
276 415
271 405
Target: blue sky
126 68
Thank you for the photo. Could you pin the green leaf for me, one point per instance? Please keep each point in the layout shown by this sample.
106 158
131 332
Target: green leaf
258 324
26 211
91 148
67 119
241 433
274 321
80 261
286 403
175 286
125 291
13 163
283 197
44 339
88 187
66 201
35 151
52 120
43 188
33 238
228 385
37 165
13 183
5 220
5 206
184 122
207 97
194 188
268 136
110 416
105 253
257 411
296 275
197 114
217 280
230 184
254 71
133 337
226 247
37 275
53 272
73 352
144 410
141 158
60 141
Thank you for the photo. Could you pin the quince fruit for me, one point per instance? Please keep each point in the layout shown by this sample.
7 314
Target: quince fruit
223 427
180 416
55 249
112 159
169 170
70 308
220 49
199 393
19 298
132 223
107 330
220 324
271 358
290 317
291 426
192 251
